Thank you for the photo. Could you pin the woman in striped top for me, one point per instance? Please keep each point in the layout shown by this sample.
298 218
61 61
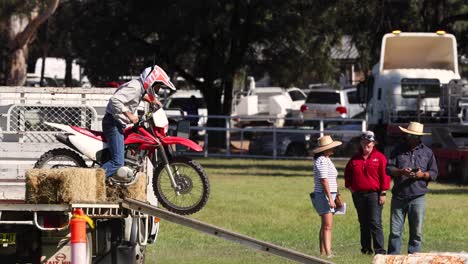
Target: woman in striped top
325 190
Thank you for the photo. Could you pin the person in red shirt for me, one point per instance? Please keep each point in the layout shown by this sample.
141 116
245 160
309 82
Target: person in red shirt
365 176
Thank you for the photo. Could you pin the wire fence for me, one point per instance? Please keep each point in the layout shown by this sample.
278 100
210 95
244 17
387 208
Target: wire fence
25 135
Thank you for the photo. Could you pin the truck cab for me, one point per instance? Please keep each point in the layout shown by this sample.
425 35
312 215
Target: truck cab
406 83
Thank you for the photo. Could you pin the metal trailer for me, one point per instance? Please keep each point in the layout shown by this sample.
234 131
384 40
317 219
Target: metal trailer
39 233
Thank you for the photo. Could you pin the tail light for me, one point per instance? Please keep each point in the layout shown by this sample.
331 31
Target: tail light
52 220
341 110
304 108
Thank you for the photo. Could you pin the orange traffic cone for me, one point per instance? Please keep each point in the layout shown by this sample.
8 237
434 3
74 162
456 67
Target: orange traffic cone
78 236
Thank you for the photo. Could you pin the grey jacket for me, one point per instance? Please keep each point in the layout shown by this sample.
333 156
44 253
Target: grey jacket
126 98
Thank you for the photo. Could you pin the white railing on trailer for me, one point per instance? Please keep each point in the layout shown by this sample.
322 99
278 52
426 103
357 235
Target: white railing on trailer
24 137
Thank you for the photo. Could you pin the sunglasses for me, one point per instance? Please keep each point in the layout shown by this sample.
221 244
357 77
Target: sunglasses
370 138
411 136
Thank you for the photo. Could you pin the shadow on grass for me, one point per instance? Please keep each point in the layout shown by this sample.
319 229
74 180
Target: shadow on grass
449 191
262 174
259 167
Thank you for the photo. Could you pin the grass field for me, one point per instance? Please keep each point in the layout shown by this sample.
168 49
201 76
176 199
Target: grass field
268 200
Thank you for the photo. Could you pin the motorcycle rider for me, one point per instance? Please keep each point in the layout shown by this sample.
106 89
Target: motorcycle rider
120 112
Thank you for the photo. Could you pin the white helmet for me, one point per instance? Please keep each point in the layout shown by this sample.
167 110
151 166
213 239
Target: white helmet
155 75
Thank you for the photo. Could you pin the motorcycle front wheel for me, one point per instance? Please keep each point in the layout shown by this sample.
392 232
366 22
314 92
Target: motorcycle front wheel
192 190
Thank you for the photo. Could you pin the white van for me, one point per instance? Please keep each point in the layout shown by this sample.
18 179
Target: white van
181 98
267 102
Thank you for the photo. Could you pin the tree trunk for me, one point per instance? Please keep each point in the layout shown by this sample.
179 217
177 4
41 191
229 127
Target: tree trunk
228 83
19 32
17 64
68 72
212 95
45 49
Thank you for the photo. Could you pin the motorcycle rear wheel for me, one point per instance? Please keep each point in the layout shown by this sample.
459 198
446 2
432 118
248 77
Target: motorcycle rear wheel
194 188
60 158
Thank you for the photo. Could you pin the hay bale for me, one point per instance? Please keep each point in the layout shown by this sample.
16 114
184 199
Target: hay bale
137 191
67 185
101 185
115 193
422 258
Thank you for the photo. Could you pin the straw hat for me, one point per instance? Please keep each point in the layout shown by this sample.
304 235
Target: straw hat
324 143
414 128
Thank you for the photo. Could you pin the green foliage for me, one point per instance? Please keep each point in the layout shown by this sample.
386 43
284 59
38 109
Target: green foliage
215 40
209 39
268 200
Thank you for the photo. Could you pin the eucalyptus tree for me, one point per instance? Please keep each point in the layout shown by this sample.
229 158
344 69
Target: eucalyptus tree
19 21
207 42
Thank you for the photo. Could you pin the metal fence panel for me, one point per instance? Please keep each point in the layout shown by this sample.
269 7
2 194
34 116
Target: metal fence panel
25 137
29 120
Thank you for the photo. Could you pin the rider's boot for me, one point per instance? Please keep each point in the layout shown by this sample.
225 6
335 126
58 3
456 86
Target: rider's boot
123 174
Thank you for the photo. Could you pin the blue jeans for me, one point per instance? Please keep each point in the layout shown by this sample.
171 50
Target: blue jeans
415 209
370 221
113 132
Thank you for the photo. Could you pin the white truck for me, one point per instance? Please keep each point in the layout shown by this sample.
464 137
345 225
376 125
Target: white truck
406 83
417 79
39 233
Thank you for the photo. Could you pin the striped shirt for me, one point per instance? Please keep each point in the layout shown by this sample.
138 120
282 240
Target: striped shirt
325 169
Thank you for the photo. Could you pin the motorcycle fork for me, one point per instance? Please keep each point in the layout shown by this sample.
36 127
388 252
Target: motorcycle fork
165 160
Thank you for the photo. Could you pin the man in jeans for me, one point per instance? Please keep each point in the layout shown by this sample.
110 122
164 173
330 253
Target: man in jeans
365 176
412 166
120 112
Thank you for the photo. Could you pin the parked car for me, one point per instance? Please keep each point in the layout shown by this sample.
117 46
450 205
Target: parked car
331 103
349 134
180 99
300 144
33 80
287 144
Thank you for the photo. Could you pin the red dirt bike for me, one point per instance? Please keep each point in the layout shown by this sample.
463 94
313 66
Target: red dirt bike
180 183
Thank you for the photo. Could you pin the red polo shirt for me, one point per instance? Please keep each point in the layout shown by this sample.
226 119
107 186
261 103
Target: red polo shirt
367 175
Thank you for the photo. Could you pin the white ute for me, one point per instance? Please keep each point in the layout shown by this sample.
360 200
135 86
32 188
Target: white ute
262 103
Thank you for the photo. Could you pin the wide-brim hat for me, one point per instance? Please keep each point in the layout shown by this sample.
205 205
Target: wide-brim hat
414 128
324 143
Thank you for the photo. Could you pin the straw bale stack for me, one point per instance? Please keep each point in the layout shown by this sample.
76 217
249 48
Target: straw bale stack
67 185
423 258
135 191
78 185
